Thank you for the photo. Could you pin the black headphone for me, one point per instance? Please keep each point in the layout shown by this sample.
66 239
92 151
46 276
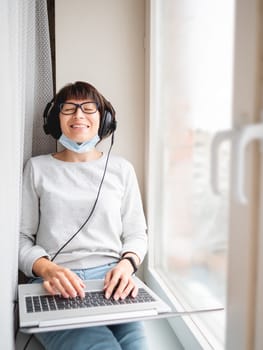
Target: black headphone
51 125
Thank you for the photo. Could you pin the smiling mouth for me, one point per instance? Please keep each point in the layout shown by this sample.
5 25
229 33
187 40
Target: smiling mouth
80 126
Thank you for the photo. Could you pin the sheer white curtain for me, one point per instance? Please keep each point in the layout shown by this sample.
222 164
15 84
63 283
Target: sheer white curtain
37 86
25 88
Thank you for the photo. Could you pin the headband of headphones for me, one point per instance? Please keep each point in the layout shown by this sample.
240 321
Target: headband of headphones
51 113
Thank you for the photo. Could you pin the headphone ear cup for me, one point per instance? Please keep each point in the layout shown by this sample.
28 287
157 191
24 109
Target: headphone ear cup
108 124
51 120
45 117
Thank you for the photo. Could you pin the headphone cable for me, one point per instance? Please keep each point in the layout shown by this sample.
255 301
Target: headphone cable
28 341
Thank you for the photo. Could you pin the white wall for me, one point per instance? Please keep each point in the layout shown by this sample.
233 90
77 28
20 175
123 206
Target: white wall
102 42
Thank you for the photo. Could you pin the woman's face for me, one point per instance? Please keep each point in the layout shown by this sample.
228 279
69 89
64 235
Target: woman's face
79 126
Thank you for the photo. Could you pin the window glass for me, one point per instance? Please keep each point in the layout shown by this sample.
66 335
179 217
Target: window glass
193 79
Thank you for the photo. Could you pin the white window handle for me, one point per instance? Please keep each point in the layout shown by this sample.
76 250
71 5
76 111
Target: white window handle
244 137
219 137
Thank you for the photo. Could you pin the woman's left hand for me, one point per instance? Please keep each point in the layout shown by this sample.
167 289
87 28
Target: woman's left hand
119 282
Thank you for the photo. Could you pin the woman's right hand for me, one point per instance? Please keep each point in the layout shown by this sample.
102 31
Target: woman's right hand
58 279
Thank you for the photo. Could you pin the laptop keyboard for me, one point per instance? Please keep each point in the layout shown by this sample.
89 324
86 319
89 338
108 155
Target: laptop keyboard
92 299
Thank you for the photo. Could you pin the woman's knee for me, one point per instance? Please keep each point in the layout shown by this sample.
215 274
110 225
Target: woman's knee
131 336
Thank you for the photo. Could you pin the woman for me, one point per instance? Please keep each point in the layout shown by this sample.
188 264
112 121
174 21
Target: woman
82 217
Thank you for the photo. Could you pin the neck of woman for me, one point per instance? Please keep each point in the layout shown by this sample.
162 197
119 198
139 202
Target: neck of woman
70 156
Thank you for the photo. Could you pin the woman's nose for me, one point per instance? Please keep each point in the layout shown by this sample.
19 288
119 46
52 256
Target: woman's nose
78 113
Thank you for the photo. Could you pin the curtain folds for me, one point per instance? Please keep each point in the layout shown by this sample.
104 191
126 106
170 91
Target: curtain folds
38 85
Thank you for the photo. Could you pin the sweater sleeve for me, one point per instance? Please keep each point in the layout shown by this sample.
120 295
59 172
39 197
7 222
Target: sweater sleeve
134 237
29 252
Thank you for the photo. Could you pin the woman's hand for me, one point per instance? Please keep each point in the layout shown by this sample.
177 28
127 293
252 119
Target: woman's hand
119 283
58 279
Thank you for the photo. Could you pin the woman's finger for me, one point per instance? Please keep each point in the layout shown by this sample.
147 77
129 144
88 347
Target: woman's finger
112 284
131 289
77 284
122 285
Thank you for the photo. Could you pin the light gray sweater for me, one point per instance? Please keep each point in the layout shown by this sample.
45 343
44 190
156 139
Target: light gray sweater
57 199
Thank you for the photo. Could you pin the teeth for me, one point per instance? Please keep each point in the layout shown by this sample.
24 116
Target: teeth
79 126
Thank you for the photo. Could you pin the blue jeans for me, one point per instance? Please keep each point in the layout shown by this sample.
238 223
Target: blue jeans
128 336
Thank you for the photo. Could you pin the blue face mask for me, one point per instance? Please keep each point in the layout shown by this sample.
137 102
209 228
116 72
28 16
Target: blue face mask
79 148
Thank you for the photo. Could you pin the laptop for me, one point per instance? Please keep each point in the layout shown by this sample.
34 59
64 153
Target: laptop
41 312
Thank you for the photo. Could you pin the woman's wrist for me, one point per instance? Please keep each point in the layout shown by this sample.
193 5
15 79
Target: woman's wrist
133 260
40 266
134 256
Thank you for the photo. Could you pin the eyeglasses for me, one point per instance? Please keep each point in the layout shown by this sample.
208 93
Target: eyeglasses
69 108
